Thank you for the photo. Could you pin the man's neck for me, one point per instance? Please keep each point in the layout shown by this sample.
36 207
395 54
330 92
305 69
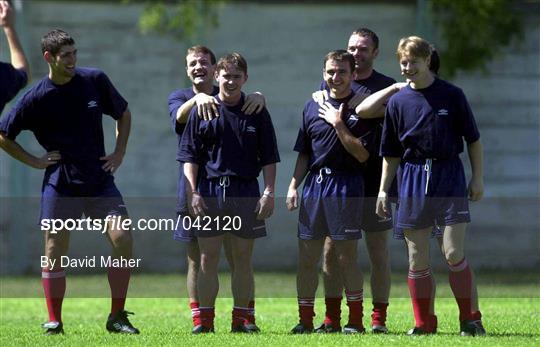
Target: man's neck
362 75
206 88
423 82
58 80
230 101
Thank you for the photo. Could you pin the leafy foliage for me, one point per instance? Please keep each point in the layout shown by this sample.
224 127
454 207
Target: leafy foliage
474 31
183 19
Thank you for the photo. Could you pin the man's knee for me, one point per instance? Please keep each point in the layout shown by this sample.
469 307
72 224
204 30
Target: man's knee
453 255
122 241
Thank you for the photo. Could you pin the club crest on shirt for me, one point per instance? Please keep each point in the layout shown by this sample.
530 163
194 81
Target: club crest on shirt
251 129
92 103
442 112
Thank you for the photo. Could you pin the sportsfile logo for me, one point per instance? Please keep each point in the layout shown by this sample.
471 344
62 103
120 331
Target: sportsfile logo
442 112
92 104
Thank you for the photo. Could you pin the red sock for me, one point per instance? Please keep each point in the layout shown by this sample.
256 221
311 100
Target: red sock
240 316
195 313
354 301
476 315
207 317
422 290
333 312
378 316
251 313
54 286
460 278
306 309
118 282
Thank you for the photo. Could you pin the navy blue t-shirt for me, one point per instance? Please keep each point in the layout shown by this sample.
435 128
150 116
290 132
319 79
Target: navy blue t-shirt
233 144
11 81
68 118
176 100
319 140
428 123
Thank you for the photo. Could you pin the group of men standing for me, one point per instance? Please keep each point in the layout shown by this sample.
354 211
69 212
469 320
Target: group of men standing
225 139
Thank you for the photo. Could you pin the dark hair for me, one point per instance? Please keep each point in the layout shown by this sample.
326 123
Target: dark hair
435 61
234 59
365 32
340 55
54 40
203 50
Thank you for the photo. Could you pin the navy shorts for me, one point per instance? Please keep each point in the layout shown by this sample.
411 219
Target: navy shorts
399 233
231 205
71 203
331 206
432 194
371 222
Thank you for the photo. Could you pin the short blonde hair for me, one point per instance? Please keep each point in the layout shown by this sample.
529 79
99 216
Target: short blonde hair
414 46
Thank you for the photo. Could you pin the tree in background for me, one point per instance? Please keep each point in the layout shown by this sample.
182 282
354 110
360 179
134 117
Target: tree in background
472 32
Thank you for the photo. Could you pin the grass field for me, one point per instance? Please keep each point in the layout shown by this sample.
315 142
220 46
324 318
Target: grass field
510 304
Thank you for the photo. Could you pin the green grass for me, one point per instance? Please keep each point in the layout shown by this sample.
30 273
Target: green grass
510 304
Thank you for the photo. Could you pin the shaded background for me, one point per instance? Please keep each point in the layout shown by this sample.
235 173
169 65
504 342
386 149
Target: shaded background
284 45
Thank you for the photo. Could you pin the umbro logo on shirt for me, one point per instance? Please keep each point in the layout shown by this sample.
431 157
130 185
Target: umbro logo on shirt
251 129
92 104
442 112
353 117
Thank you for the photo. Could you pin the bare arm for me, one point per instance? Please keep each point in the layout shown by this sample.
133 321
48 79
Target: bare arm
123 128
16 151
352 144
300 171
389 169
373 106
476 157
196 203
265 206
7 20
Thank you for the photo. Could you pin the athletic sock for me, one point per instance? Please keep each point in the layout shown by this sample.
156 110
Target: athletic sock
422 290
54 286
476 315
460 278
195 313
118 282
354 301
333 311
207 317
239 316
251 312
378 316
306 309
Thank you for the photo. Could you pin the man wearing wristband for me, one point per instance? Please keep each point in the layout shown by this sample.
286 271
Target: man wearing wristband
222 160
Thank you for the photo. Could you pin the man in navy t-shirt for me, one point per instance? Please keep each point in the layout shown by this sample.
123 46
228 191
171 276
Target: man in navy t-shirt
424 128
331 151
64 110
364 46
200 68
222 160
14 76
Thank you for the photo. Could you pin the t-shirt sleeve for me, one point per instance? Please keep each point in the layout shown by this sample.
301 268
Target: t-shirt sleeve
18 119
191 143
176 100
268 150
303 141
112 102
11 81
390 144
466 121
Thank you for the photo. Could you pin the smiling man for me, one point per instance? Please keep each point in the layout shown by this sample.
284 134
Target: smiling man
200 69
222 160
64 110
330 152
